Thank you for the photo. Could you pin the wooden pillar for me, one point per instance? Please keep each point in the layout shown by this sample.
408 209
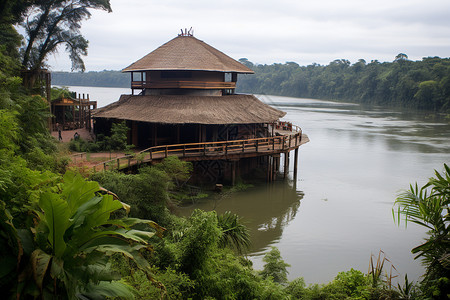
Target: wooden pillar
274 168
295 163
233 173
132 90
134 133
155 132
286 164
64 116
268 168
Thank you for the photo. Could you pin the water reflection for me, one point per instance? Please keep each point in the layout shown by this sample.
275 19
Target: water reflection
266 209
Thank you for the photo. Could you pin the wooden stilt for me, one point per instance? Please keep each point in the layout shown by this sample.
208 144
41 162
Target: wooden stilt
233 173
274 168
295 163
286 164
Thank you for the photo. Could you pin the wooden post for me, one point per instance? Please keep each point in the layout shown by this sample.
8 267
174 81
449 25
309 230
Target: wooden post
233 173
286 164
151 154
132 90
184 150
295 163
167 151
274 168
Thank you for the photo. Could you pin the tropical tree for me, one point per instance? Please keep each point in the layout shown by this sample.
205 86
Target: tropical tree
429 206
66 254
275 266
49 24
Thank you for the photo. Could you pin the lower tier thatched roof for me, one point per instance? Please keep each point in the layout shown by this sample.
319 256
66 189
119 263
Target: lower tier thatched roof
182 109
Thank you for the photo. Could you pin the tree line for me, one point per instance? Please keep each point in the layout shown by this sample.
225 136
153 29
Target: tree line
103 78
421 84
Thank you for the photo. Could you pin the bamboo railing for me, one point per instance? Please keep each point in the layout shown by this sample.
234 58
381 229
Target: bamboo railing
209 150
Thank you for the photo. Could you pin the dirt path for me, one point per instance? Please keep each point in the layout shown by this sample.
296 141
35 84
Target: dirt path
68 135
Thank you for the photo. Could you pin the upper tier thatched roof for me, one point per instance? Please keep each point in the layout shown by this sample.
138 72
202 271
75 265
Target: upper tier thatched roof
187 53
182 109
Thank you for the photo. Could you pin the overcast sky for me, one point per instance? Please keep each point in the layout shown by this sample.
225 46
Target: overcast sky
269 31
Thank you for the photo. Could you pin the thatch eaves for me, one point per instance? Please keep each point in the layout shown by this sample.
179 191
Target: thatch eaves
182 109
187 53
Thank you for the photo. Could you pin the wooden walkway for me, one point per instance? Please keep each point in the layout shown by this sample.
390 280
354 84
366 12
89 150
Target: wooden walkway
284 142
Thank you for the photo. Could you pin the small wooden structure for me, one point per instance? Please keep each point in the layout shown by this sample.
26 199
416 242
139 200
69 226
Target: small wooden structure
72 113
183 97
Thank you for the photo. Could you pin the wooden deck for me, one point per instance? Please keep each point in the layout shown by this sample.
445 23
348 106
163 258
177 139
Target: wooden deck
284 142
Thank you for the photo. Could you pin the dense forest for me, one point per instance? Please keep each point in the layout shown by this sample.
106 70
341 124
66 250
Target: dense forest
421 84
69 233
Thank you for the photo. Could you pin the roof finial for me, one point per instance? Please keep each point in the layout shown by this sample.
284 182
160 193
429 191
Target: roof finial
186 32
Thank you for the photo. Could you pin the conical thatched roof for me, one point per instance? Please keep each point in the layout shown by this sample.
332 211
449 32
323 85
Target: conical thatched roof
182 109
187 53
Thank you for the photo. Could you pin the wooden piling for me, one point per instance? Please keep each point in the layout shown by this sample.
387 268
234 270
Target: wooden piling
286 164
295 163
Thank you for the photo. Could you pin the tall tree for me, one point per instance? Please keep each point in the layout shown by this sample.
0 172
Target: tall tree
49 24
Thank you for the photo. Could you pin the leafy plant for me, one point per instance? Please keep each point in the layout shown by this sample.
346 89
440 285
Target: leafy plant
377 274
74 236
275 266
234 233
428 206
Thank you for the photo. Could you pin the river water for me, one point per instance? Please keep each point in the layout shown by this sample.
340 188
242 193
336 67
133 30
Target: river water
339 211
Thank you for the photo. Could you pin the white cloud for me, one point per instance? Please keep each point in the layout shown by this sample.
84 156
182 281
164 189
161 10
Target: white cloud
304 31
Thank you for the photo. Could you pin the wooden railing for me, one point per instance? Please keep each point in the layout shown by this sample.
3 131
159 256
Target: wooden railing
178 84
207 150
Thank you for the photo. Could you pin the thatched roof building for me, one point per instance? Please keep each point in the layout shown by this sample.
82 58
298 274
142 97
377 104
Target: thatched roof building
187 94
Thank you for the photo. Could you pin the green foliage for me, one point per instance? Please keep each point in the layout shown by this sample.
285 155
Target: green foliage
179 171
50 24
428 206
60 92
116 142
118 138
74 237
172 284
234 233
199 240
275 266
146 192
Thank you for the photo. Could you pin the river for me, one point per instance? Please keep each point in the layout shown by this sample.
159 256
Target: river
339 212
